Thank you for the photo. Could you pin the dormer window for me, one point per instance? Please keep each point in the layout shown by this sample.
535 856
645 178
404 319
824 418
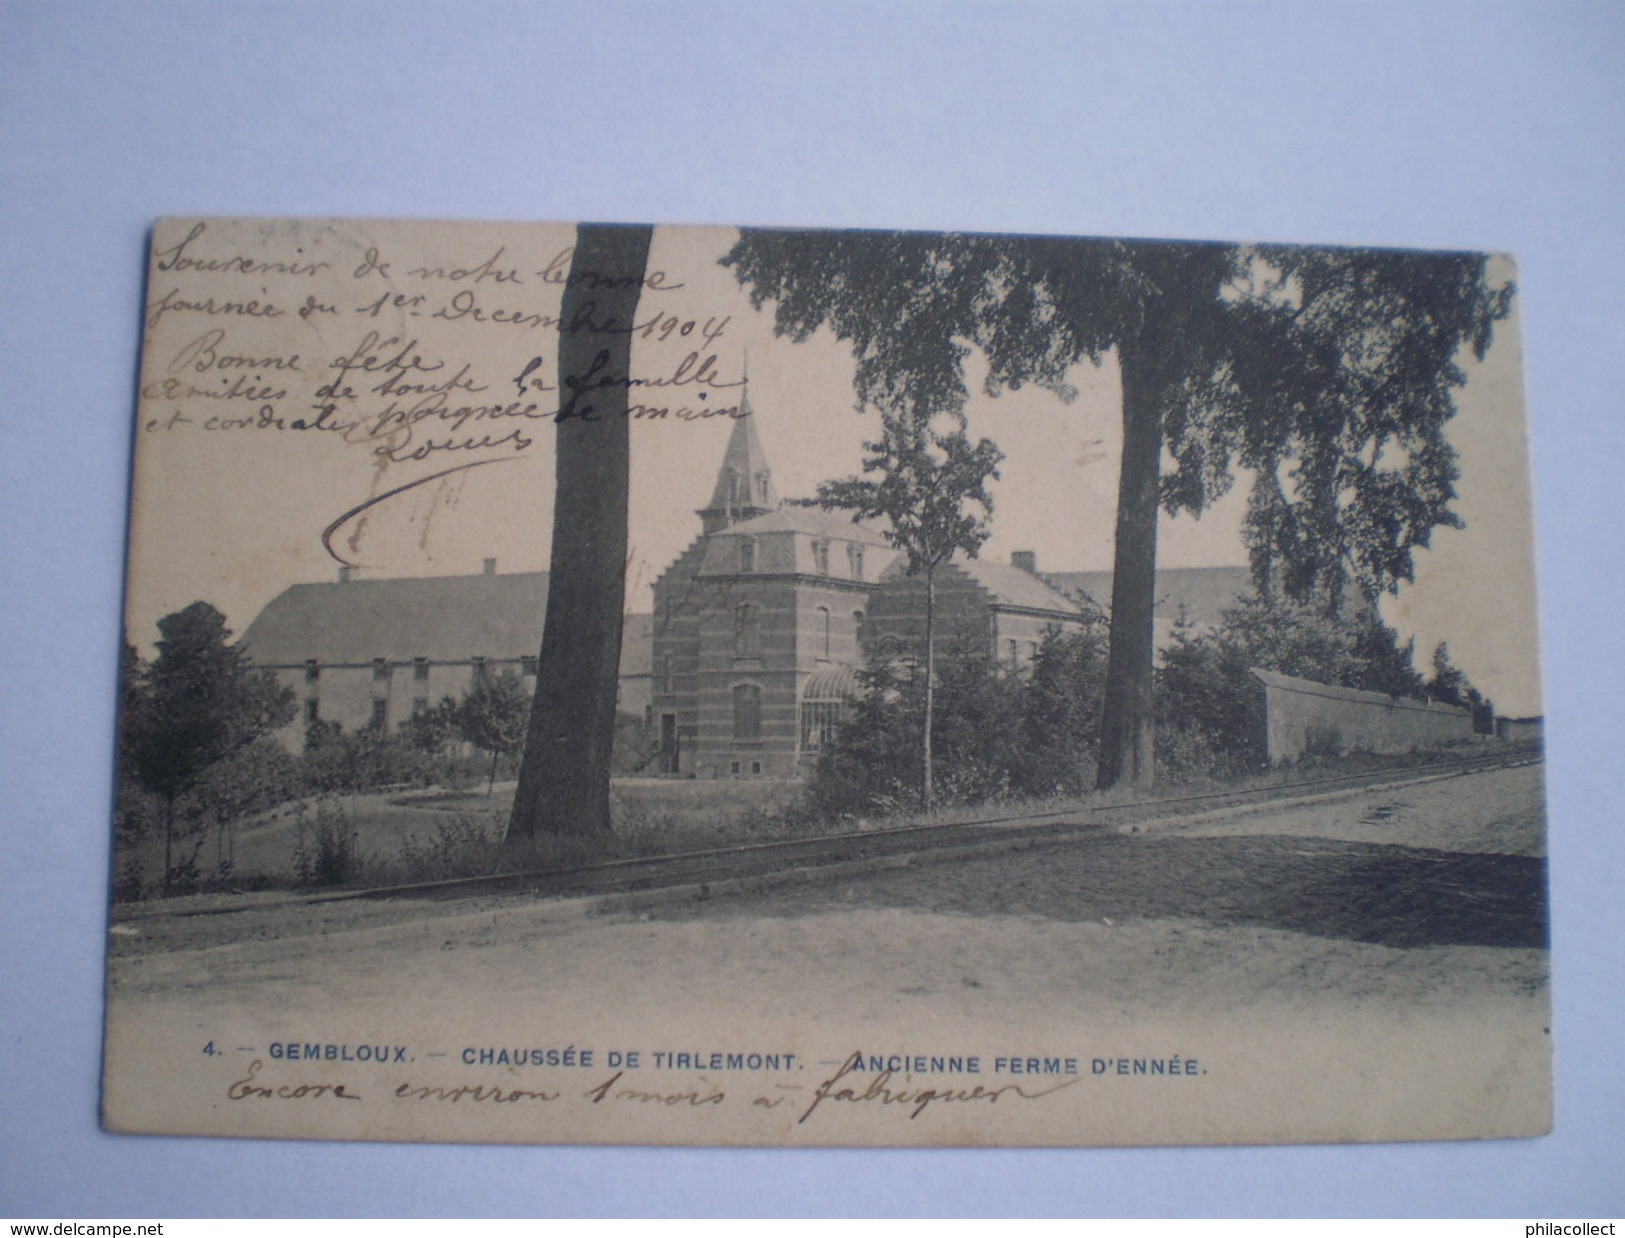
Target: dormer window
820 552
854 560
747 554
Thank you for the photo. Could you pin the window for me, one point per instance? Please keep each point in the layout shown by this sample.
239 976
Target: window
420 669
857 628
380 669
854 559
420 706
821 558
823 623
747 554
747 711
747 631
665 675
479 669
819 721
313 712
313 671
380 714
527 666
756 767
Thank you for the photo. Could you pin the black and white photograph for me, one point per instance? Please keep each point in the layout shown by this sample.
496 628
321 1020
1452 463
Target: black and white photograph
625 684
490 486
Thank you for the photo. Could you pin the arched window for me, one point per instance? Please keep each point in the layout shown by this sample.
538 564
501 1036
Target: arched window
747 631
854 559
747 711
857 628
826 702
747 554
823 627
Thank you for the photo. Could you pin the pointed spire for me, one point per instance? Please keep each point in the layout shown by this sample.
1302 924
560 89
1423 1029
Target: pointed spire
744 483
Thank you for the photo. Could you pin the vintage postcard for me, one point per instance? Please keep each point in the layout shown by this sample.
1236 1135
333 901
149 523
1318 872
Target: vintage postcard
608 684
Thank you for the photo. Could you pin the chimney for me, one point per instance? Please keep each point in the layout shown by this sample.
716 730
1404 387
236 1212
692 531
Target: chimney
490 567
1026 560
346 575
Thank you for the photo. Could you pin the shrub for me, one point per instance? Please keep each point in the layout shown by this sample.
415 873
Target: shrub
465 846
1210 709
130 885
337 761
325 851
997 733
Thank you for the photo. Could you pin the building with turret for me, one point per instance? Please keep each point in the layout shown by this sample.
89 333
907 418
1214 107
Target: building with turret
761 625
751 657
752 621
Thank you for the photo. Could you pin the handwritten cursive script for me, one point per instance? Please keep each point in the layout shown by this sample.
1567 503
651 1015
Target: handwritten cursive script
247 1089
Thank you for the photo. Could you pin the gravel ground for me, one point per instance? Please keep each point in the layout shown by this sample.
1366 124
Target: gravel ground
1451 865
1371 969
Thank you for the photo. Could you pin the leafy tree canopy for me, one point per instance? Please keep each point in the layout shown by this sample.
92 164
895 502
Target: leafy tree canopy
199 701
494 713
1329 372
931 489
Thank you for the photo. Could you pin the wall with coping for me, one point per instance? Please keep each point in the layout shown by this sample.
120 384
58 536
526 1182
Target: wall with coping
1300 713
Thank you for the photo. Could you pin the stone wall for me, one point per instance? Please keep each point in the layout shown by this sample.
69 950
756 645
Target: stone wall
1302 715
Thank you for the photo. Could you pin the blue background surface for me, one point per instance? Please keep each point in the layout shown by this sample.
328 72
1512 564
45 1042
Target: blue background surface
1463 125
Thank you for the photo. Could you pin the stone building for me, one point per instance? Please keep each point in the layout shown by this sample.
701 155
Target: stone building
750 659
1002 609
364 652
752 616
761 624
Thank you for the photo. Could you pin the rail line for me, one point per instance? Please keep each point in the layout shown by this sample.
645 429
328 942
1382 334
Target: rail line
714 867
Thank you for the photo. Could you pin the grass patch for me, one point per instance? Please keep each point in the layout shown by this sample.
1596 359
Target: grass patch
389 839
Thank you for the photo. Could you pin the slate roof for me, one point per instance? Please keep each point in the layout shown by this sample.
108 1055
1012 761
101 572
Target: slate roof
442 618
1007 585
746 462
1016 586
1203 592
814 521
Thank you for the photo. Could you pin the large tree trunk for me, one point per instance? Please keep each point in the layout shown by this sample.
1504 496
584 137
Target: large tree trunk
564 777
1127 750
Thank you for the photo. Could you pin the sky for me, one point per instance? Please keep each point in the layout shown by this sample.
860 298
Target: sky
235 516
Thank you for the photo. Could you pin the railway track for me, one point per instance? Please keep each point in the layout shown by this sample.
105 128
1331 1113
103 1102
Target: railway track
715 869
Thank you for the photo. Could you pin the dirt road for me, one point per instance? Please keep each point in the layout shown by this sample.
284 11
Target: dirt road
1410 921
